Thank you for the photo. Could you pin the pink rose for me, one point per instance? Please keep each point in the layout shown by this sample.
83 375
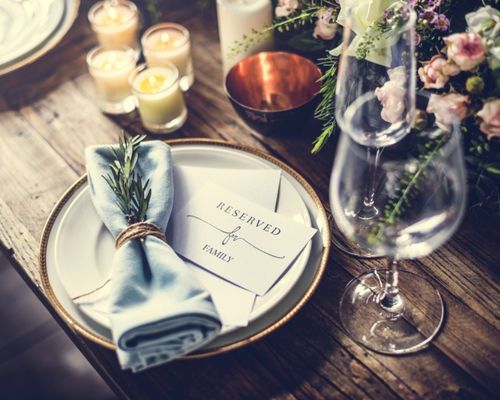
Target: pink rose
391 95
325 27
490 114
467 50
447 107
432 75
286 7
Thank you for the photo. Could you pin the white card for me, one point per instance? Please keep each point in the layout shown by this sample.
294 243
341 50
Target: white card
233 303
259 185
237 239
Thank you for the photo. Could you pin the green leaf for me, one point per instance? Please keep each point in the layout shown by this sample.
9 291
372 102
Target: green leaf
125 182
493 169
321 140
306 42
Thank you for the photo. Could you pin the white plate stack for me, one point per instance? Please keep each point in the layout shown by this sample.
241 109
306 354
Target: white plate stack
29 28
77 248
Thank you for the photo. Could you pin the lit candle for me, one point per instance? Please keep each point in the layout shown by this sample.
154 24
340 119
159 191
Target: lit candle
115 22
169 42
111 68
159 98
237 18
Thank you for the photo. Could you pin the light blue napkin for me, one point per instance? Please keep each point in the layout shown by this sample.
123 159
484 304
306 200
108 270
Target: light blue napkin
158 310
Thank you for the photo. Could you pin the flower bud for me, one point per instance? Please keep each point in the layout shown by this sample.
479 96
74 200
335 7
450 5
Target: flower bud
474 84
420 120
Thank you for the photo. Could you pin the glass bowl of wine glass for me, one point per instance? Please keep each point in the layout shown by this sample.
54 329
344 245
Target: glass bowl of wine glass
421 196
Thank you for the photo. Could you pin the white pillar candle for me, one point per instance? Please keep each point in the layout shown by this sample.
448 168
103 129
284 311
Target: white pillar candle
111 68
237 18
169 42
116 22
159 98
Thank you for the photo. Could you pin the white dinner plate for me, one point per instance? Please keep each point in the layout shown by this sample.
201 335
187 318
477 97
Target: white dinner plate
296 199
84 248
29 28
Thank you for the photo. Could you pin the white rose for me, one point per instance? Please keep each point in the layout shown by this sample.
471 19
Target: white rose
485 21
363 14
494 57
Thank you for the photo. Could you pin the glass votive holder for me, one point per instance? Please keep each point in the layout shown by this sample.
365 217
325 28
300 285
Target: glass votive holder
115 22
110 67
169 42
159 98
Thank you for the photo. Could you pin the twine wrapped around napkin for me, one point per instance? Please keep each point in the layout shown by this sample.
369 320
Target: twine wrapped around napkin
158 310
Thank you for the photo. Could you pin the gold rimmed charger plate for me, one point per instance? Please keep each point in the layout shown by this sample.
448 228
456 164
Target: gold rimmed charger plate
267 322
68 19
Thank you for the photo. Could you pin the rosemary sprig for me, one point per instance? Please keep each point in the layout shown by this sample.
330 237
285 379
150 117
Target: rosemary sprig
325 112
132 195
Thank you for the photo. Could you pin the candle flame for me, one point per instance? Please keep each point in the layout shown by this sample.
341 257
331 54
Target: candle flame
152 84
165 37
112 13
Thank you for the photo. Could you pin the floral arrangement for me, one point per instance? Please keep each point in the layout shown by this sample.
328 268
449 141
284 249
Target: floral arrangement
465 79
462 70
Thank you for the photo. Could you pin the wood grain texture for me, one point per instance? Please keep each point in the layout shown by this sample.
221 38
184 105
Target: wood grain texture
48 116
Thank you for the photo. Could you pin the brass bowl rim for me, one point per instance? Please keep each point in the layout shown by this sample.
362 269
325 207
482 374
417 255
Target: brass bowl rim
287 53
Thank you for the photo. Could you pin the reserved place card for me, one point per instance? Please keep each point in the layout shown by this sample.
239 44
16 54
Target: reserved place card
236 239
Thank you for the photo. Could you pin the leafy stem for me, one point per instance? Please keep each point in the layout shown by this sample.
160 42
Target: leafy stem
408 189
325 111
132 194
282 25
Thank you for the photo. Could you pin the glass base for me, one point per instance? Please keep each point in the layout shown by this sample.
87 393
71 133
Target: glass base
169 126
416 322
124 106
347 246
367 213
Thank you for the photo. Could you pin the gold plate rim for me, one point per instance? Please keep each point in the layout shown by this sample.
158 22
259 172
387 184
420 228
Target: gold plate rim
53 42
80 329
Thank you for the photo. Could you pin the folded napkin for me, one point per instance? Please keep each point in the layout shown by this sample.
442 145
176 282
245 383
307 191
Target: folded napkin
158 309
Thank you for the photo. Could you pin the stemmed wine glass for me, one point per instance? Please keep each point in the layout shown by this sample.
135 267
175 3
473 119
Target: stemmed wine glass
375 94
421 200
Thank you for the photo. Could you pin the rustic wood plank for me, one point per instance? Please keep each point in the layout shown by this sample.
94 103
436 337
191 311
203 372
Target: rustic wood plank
48 116
31 181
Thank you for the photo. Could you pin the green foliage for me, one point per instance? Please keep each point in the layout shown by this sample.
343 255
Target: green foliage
325 111
132 195
305 42
409 187
483 166
298 19
370 38
153 9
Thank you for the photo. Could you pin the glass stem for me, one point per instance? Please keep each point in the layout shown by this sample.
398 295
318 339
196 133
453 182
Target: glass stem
391 299
369 211
369 200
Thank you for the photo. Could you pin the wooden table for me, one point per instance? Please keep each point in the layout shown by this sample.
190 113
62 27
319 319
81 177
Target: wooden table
48 115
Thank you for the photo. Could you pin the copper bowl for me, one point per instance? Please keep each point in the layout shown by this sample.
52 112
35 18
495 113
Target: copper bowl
274 92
